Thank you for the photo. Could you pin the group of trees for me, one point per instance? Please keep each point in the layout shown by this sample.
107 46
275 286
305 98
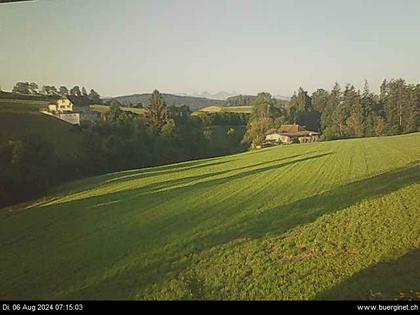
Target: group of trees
354 113
32 88
122 140
164 134
239 100
223 118
340 113
267 113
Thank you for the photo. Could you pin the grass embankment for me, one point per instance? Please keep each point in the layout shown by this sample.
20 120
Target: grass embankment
20 119
336 219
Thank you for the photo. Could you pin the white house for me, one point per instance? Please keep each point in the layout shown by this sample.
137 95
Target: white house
72 109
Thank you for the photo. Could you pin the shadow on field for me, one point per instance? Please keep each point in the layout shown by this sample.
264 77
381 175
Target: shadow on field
280 219
187 231
388 280
179 226
244 172
174 184
164 170
166 185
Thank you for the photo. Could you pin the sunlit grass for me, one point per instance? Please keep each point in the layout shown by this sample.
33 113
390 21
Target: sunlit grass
287 222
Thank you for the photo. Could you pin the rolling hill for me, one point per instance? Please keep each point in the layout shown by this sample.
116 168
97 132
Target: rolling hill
193 102
21 118
326 220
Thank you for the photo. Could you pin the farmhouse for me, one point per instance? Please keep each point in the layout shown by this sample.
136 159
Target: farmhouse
72 109
288 134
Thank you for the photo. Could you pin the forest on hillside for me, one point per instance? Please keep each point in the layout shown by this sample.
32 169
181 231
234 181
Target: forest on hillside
340 113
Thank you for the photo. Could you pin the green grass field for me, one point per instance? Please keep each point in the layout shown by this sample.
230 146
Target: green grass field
330 220
231 109
105 108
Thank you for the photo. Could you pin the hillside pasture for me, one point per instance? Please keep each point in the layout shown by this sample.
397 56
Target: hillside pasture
288 222
20 119
105 109
16 105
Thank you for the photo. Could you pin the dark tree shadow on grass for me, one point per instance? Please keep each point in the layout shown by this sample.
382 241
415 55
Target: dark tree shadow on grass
280 219
174 183
179 225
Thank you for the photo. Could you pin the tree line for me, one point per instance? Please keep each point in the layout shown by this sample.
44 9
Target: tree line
32 88
122 140
340 113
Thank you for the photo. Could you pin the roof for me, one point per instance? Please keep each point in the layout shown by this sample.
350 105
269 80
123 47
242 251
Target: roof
291 128
292 131
305 133
79 101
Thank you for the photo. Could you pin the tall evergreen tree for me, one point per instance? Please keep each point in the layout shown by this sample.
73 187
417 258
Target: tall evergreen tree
63 90
22 88
357 113
329 117
300 102
395 97
75 91
157 112
33 87
95 97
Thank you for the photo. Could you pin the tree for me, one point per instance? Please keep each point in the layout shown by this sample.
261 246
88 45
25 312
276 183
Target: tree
84 93
114 111
301 110
95 97
356 120
264 106
33 87
75 91
320 100
49 90
300 102
334 119
342 112
63 90
399 107
157 112
263 117
22 88
372 112
256 131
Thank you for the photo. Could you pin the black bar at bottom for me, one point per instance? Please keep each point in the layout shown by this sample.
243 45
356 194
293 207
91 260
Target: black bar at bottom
412 307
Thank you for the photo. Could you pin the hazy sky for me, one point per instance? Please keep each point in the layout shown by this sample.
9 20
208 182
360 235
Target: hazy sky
129 46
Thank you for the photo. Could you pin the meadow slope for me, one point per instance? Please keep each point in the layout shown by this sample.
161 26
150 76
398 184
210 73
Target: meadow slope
20 119
337 219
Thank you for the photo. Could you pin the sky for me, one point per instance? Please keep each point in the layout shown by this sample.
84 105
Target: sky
189 46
